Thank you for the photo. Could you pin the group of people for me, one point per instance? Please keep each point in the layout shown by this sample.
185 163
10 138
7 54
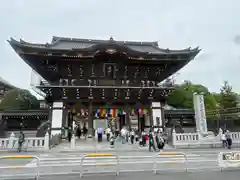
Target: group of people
226 139
155 139
78 131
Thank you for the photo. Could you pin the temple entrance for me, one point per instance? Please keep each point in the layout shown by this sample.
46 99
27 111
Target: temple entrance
122 121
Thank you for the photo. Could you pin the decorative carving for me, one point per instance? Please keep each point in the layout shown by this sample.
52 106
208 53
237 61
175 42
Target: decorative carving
69 70
103 94
81 71
115 93
125 71
127 94
64 93
111 51
63 82
73 82
77 93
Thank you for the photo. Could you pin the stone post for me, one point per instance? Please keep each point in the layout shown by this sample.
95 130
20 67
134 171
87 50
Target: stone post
200 137
46 141
174 138
11 140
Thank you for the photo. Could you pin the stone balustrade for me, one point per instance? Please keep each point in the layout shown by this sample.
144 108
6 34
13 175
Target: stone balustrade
196 140
31 143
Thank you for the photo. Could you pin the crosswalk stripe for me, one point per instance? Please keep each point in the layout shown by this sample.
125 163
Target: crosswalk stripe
48 161
114 163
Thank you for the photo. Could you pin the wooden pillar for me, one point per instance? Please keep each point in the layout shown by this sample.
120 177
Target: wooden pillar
91 131
127 116
150 117
163 115
139 125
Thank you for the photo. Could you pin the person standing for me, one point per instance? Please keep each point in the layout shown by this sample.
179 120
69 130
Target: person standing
123 135
85 131
144 141
99 132
132 134
108 132
69 134
79 131
21 140
223 139
229 140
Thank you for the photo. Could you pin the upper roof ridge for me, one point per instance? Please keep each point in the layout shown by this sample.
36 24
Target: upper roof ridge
144 43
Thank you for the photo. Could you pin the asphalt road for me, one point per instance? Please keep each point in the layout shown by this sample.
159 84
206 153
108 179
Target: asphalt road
206 175
54 164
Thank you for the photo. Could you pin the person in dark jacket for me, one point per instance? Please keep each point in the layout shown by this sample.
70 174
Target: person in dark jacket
79 132
69 134
21 140
229 140
85 131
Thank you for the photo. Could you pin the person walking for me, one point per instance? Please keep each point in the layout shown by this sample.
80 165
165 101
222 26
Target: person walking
132 135
151 143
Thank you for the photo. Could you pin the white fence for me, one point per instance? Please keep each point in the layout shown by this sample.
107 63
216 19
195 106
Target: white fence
31 143
196 140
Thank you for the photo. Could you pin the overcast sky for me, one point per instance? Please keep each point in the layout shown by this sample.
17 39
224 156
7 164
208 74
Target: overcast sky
213 25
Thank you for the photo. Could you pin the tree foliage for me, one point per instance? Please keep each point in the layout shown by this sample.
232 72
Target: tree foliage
19 99
182 96
228 99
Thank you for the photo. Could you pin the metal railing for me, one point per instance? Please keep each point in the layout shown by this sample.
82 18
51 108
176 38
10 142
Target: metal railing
99 164
170 162
22 166
229 159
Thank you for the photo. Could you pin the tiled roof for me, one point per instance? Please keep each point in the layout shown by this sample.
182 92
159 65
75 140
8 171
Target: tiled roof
62 43
25 113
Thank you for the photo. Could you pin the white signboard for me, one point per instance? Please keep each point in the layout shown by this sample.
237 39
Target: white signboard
200 114
196 111
229 159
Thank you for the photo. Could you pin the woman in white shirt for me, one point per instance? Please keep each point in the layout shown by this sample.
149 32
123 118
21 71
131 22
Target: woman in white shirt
223 139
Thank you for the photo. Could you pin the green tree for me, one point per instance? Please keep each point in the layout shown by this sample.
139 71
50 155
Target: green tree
228 99
182 96
19 99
